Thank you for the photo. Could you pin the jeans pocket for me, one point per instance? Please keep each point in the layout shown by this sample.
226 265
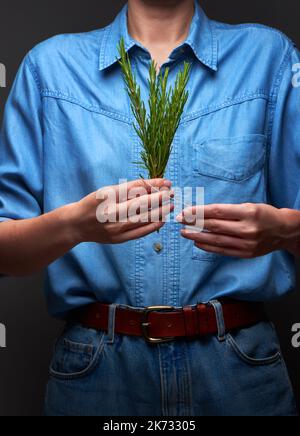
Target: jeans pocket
257 345
77 352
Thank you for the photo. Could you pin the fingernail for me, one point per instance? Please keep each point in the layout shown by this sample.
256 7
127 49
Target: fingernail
167 183
179 218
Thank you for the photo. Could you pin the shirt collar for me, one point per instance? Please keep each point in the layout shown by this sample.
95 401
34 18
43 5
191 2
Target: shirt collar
202 39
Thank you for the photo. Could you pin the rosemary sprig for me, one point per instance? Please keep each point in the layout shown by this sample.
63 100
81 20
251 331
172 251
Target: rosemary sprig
156 129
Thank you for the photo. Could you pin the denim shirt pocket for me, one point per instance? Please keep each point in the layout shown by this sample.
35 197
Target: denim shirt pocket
231 172
230 159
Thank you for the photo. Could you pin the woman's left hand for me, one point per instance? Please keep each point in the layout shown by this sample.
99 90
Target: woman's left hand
244 230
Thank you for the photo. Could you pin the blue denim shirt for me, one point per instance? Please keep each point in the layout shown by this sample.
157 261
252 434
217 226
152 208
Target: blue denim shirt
68 131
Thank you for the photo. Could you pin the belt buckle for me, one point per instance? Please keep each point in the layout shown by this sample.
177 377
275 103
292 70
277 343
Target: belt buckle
146 324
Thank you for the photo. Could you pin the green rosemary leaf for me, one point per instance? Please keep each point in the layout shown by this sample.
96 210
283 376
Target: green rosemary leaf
156 129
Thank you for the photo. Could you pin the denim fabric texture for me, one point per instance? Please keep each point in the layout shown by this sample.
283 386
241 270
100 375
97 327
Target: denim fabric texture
242 374
68 131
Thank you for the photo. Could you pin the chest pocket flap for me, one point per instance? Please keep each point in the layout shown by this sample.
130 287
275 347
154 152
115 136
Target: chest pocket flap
235 159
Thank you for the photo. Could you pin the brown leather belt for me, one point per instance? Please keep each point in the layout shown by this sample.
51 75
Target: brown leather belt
162 324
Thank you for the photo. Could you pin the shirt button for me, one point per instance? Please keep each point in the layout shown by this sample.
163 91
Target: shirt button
158 247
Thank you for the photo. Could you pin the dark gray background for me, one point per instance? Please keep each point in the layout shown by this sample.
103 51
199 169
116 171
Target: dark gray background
30 332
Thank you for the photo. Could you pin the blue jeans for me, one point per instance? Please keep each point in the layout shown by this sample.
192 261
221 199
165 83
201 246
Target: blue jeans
106 374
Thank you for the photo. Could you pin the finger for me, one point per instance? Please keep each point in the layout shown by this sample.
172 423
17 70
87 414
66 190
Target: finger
154 216
151 201
121 193
216 240
142 205
162 213
218 211
226 211
149 184
141 232
192 216
124 212
223 227
223 251
143 188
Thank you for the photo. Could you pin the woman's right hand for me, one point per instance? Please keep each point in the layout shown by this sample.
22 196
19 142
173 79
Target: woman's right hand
118 214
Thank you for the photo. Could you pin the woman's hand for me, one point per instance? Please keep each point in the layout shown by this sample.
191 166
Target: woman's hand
245 230
121 213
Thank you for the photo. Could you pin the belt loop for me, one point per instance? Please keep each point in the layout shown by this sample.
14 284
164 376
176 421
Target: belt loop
220 319
111 324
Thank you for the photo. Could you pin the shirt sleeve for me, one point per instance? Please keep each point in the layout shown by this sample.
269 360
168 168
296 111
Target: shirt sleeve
21 149
284 169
